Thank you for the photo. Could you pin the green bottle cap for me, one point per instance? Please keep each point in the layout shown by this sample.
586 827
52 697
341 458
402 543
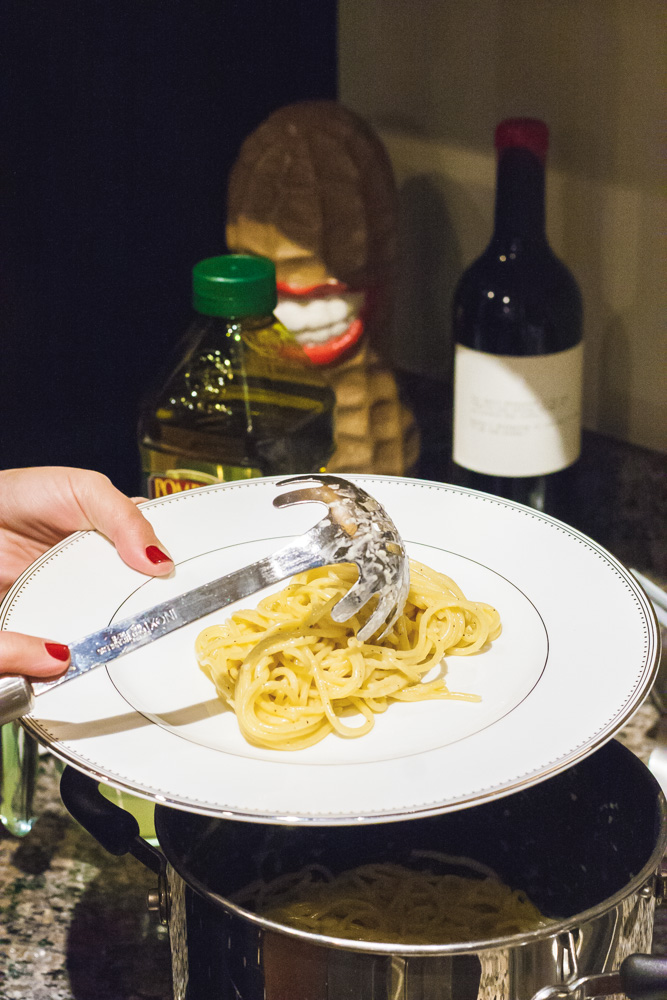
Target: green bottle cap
234 285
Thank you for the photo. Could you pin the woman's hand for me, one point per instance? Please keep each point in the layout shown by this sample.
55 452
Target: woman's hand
39 507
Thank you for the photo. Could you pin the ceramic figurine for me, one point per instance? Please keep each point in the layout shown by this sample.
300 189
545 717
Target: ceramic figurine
313 189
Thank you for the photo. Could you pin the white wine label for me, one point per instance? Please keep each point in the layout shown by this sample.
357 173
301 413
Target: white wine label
517 416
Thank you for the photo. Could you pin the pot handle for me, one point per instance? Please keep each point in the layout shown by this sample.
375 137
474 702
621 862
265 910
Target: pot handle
644 977
641 977
112 827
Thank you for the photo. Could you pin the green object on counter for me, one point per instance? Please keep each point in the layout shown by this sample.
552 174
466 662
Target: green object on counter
18 775
142 809
19 761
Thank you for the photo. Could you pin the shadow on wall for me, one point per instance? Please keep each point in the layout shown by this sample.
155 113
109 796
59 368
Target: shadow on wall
419 343
614 365
607 265
429 262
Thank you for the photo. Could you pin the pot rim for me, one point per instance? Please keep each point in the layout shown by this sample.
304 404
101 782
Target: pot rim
649 871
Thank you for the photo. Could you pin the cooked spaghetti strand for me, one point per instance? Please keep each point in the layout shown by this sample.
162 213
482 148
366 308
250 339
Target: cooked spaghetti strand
293 675
396 903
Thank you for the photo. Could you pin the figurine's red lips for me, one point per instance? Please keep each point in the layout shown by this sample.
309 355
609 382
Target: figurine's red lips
324 351
312 291
332 350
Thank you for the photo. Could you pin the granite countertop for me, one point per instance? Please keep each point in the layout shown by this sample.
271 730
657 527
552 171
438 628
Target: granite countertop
73 919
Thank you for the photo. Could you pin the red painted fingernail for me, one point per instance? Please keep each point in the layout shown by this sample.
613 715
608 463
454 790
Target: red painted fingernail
57 650
156 555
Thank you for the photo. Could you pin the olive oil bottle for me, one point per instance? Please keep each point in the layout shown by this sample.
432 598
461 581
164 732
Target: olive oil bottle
243 400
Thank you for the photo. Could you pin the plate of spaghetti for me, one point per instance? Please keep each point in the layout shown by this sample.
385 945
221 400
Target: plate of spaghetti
523 646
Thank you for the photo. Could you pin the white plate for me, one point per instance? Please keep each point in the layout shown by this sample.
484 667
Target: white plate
577 654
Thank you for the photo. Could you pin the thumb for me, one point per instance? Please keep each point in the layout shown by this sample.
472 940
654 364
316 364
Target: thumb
34 657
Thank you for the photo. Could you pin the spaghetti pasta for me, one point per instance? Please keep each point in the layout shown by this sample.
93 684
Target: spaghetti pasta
395 903
292 674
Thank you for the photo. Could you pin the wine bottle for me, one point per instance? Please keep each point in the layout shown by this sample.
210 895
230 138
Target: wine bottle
518 347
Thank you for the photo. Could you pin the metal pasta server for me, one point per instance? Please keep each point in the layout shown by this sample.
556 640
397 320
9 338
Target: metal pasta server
356 529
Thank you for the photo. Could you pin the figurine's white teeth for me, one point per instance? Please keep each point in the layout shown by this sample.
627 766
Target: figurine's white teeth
321 336
314 321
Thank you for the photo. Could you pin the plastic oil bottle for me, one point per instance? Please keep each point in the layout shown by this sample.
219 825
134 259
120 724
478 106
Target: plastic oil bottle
243 400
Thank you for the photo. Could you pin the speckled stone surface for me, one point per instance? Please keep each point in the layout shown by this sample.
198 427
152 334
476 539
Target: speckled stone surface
621 501
73 919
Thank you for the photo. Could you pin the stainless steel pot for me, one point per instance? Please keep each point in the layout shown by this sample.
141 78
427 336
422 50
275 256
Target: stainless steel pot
587 846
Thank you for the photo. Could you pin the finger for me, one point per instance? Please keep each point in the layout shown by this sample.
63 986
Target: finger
117 517
34 657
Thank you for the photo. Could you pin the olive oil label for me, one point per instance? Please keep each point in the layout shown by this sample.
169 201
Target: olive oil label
517 416
162 484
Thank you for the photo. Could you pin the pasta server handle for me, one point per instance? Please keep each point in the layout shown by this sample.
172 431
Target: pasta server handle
17 693
16 698
356 529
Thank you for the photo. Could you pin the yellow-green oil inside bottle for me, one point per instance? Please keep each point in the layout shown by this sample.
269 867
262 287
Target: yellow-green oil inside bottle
243 401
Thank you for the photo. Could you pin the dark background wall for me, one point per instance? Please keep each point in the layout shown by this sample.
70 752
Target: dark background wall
121 119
